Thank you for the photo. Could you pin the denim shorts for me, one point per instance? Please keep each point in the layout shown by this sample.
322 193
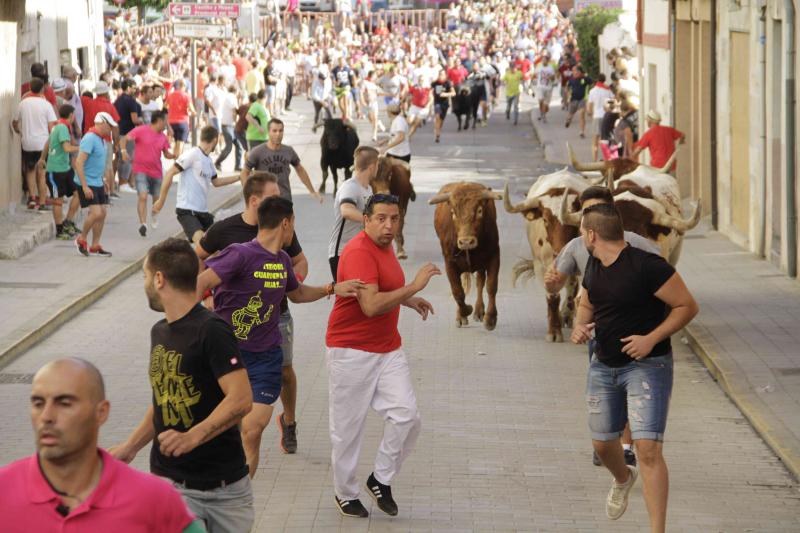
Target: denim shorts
265 370
147 185
638 392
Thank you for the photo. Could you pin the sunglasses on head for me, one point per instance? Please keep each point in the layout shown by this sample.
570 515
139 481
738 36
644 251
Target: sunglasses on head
382 199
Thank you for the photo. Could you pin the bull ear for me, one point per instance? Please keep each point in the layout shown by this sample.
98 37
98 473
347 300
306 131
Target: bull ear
439 198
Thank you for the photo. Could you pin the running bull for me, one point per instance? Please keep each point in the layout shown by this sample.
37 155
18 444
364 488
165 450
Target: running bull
466 224
394 177
339 141
614 169
547 235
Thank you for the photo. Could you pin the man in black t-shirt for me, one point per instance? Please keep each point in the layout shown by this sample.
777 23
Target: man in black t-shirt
130 116
200 393
243 227
342 82
634 301
442 92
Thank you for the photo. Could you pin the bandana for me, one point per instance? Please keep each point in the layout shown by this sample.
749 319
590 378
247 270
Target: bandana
106 138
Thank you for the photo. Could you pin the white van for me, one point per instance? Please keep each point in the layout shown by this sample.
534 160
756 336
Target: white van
317 5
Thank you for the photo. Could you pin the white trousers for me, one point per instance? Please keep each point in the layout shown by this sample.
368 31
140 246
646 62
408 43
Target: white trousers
358 380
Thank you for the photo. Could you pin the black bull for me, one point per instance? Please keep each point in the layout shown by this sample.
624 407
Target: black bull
338 142
466 103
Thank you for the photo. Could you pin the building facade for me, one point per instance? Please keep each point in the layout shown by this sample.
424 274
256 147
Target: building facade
723 72
56 34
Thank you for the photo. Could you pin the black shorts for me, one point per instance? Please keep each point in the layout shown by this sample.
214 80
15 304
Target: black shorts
30 160
99 196
194 221
180 130
61 184
440 110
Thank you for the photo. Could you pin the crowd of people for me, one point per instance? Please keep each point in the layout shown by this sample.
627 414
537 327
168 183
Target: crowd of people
87 142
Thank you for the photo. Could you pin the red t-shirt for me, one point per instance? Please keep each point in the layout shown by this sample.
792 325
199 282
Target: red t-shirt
661 142
49 93
178 107
92 106
524 66
419 96
457 75
242 67
348 326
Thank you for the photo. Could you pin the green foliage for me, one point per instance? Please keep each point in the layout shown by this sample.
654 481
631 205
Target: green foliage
589 24
141 5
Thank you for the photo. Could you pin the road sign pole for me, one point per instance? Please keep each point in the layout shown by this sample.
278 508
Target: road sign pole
196 117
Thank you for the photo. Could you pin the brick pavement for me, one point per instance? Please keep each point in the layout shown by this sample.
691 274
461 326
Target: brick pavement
746 330
504 445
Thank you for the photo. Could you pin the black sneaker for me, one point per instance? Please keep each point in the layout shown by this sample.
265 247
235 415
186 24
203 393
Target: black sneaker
99 252
596 459
83 248
382 494
630 457
352 508
143 230
288 435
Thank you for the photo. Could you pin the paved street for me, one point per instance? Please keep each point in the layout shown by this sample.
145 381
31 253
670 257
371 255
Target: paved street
504 444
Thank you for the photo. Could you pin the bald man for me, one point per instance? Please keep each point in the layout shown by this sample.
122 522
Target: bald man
70 484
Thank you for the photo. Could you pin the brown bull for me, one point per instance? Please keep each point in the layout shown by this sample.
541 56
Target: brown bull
394 177
466 223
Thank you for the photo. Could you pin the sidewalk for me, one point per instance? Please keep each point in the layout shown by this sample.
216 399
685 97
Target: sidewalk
746 332
51 284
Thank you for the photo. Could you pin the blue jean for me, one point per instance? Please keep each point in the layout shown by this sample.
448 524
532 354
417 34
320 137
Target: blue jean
512 104
230 141
638 392
125 167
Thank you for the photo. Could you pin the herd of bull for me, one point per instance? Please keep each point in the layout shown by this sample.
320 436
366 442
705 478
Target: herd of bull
465 221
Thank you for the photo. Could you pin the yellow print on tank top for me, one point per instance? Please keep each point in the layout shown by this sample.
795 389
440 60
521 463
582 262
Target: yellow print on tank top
174 392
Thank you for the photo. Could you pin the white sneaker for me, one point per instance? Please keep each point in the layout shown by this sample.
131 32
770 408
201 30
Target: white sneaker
617 500
153 221
126 188
381 126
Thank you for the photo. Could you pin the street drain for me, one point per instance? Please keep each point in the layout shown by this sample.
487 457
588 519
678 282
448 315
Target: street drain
15 379
794 371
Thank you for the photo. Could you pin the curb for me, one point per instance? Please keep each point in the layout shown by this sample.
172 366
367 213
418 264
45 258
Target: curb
730 378
71 310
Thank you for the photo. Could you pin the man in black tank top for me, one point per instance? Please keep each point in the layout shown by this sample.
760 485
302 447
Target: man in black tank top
633 302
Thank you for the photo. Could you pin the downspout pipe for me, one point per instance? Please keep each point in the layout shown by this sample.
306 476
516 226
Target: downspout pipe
790 139
762 71
713 128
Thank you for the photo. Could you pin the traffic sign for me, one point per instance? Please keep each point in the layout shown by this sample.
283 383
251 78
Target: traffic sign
205 11
201 31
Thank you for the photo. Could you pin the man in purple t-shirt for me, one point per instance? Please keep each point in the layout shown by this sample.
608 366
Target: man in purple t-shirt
250 280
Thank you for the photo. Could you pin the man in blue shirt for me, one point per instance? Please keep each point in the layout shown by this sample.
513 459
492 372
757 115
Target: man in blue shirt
90 167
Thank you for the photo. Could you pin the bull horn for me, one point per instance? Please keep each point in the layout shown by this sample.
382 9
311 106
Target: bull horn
679 225
439 198
567 218
597 181
597 165
528 203
670 162
609 177
492 195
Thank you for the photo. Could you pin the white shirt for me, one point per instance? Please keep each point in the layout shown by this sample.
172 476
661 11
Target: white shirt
213 94
198 171
399 125
227 109
35 115
598 97
321 89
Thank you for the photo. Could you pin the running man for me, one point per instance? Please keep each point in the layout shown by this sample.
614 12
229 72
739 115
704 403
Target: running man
241 228
197 172
250 280
366 363
442 92
513 82
629 292
343 81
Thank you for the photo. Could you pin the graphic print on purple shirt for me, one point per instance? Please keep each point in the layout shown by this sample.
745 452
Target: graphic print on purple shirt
254 281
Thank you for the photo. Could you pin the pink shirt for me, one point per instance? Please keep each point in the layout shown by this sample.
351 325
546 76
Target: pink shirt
124 501
147 154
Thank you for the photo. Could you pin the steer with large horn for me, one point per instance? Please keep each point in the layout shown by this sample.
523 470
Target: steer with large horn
649 202
547 235
614 169
466 224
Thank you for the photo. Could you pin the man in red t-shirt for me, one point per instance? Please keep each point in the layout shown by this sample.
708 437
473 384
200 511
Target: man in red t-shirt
179 109
420 105
660 140
456 73
366 364
38 71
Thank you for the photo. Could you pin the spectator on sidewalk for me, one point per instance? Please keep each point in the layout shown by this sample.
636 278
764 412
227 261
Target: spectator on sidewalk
180 109
101 103
70 483
200 394
633 302
512 80
56 163
257 119
626 131
595 107
150 143
197 173
93 182
578 89
367 366
39 71
130 116
32 122
660 140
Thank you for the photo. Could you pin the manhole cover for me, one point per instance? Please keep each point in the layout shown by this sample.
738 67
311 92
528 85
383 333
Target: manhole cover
788 371
15 379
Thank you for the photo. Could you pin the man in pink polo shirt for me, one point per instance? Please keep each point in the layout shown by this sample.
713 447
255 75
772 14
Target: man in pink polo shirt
150 143
70 485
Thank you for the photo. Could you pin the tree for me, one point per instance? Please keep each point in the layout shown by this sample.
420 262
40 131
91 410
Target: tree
141 6
589 24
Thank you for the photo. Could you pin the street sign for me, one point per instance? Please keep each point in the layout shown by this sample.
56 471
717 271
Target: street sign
201 31
205 11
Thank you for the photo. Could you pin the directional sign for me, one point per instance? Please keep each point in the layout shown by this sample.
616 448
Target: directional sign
201 31
205 11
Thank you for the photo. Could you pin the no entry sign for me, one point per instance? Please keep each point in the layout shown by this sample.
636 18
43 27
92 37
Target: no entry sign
205 11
